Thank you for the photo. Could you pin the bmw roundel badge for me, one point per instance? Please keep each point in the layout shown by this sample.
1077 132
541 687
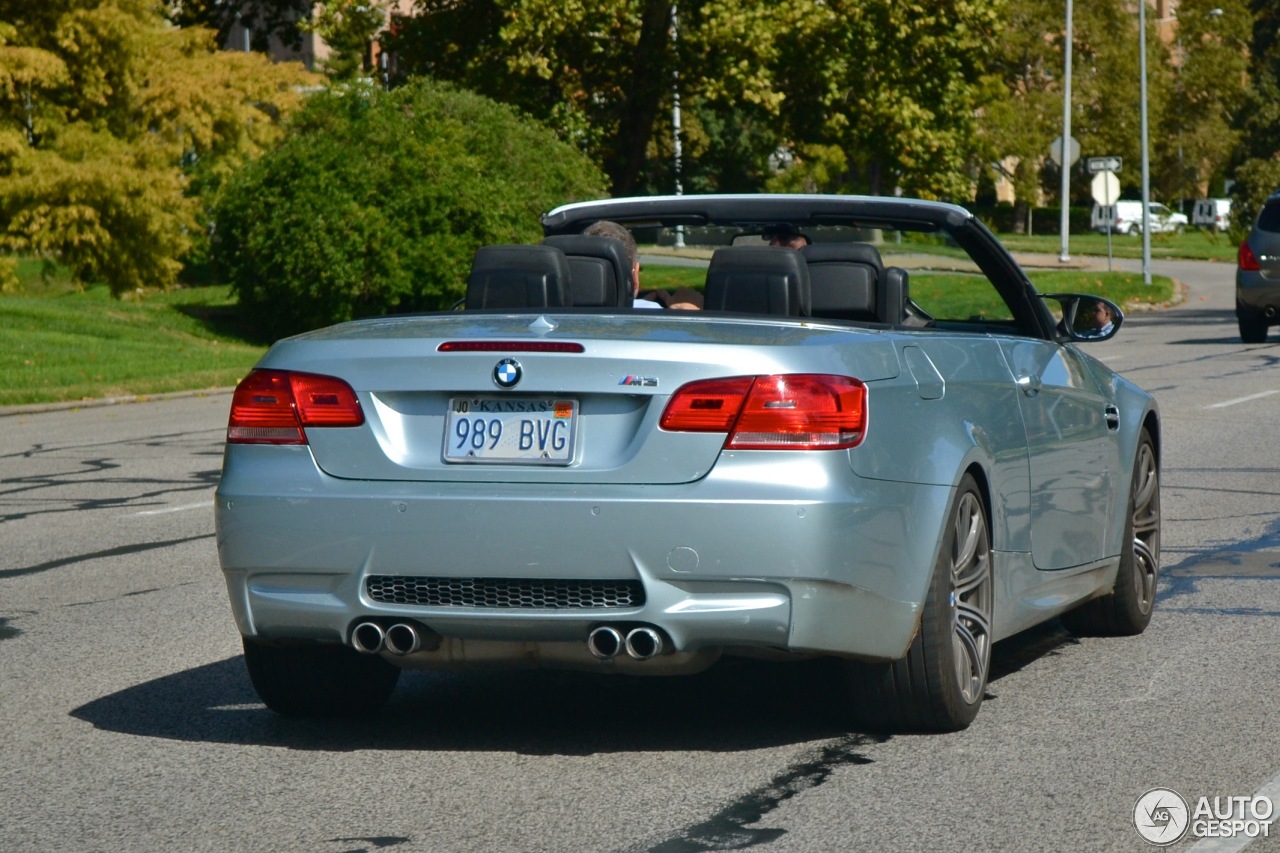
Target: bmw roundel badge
507 373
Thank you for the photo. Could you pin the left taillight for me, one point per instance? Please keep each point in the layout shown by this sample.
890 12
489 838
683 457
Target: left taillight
1246 259
806 411
275 406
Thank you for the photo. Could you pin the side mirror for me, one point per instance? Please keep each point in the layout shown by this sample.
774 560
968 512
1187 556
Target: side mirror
1086 318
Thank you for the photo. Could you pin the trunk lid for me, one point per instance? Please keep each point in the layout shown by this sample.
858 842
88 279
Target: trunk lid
604 401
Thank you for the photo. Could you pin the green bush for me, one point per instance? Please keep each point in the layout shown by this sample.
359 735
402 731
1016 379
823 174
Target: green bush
1256 180
376 202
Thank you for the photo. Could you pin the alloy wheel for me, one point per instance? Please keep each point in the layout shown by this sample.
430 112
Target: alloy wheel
1146 527
971 598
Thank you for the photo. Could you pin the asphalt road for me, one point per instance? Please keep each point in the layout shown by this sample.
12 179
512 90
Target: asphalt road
127 721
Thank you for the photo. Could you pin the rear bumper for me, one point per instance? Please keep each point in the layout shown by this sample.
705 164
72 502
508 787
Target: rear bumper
819 560
1257 293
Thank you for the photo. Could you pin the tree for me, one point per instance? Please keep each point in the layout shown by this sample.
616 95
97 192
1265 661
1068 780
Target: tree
111 123
1210 86
893 84
1105 98
1257 156
377 201
596 72
1023 117
897 86
348 27
265 20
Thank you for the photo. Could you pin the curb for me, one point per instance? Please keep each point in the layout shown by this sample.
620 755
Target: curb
38 408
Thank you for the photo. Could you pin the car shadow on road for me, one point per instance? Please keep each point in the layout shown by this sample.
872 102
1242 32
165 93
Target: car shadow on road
736 705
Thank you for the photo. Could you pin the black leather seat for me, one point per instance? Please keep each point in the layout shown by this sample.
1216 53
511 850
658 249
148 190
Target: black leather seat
843 280
598 270
518 277
758 280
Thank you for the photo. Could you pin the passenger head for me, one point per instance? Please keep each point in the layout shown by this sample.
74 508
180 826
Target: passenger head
786 236
605 228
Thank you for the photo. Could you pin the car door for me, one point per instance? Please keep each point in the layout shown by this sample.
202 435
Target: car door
1073 455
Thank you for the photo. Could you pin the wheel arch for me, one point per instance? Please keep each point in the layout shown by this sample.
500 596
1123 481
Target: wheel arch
1151 422
979 475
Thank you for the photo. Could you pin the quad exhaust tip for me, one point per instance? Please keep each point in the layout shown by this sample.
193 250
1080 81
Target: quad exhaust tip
403 639
644 643
368 638
605 642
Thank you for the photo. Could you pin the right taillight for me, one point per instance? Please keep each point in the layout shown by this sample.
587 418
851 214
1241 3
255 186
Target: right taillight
804 411
1247 259
273 407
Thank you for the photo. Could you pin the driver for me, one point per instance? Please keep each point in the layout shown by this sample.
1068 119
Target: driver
786 237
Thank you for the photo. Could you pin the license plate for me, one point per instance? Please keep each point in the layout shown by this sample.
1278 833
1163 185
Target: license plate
518 430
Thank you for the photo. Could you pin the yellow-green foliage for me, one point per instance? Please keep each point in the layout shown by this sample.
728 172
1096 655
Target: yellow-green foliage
111 123
9 282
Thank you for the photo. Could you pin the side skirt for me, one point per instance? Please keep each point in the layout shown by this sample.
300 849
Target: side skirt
1027 596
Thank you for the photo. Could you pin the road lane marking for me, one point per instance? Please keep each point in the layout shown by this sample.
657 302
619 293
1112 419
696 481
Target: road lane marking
169 509
1226 403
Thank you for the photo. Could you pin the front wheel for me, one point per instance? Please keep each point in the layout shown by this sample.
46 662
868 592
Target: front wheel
318 680
1127 609
940 684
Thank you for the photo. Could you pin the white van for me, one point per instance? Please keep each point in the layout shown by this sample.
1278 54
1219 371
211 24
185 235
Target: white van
1125 217
1214 213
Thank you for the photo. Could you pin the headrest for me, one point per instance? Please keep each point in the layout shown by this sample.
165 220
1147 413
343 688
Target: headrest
758 280
861 253
518 277
842 280
892 294
600 275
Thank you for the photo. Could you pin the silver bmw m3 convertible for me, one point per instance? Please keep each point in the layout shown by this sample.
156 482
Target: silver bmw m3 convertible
876 442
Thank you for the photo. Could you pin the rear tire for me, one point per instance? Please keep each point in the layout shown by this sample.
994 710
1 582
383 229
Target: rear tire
1253 326
318 680
939 685
1127 609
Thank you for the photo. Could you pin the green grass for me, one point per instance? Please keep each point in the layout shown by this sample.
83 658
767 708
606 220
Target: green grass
1195 244
960 296
37 277
655 277
63 346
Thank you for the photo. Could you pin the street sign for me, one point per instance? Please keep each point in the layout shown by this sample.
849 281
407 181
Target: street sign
1105 188
1103 164
1073 151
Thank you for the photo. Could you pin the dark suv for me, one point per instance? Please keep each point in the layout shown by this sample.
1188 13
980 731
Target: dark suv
1258 275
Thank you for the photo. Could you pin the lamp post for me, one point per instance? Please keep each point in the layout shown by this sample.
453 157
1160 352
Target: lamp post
675 113
1065 254
1146 164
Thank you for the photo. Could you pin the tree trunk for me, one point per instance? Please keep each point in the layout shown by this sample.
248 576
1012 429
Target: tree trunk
650 78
